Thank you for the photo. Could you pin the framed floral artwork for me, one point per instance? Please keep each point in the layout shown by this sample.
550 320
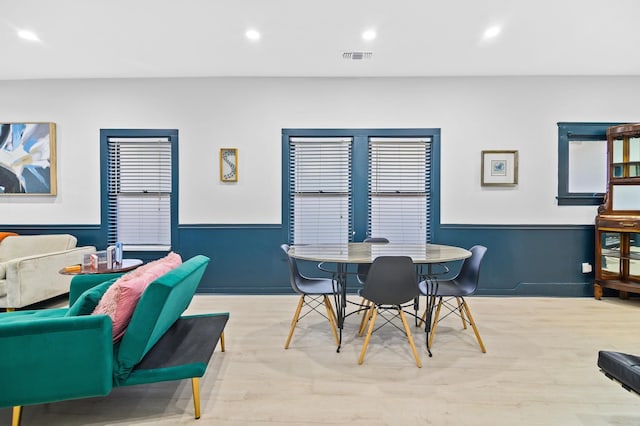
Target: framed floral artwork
499 168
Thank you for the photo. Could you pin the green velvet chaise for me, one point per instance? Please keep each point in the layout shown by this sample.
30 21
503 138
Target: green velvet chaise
60 354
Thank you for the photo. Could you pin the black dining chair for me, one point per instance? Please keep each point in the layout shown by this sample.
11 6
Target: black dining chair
313 293
391 283
363 268
464 284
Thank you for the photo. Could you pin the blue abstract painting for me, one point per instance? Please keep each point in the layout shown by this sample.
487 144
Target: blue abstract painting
27 158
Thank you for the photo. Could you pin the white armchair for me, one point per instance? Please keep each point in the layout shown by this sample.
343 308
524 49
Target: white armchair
30 265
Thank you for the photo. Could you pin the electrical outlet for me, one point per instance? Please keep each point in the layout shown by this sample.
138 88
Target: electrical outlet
586 268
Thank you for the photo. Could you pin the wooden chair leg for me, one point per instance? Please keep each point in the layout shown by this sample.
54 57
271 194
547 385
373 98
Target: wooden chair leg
222 341
461 312
473 325
434 324
372 323
195 386
410 338
423 318
332 318
366 317
294 321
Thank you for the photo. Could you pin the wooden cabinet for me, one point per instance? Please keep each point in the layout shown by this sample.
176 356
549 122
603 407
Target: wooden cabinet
617 257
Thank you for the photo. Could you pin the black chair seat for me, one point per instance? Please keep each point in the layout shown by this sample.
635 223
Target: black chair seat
449 288
316 286
624 368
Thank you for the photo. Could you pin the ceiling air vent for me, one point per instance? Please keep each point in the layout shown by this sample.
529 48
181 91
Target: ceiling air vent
357 56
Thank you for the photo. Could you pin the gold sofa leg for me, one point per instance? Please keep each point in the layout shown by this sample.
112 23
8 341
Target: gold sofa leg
17 415
222 341
195 386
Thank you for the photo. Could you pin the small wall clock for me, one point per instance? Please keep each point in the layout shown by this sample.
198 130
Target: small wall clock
229 164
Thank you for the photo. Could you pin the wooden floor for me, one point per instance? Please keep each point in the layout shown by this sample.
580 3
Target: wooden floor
539 369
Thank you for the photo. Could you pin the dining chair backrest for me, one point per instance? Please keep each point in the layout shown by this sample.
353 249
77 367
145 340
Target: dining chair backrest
294 273
363 268
469 275
392 280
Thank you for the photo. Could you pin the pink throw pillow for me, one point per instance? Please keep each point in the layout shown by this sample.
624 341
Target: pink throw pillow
121 298
172 260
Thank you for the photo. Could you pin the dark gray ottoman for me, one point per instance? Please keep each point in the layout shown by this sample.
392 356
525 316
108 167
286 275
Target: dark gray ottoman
621 367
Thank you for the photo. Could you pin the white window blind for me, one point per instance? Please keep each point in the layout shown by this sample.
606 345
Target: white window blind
139 189
399 187
320 190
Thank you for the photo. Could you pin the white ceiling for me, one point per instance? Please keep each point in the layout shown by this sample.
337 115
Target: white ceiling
198 38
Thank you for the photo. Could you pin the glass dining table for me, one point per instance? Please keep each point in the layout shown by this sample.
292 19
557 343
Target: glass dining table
345 254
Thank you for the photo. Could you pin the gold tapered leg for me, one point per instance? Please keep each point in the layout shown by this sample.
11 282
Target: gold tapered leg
332 318
372 323
461 311
222 341
294 321
195 386
410 338
434 323
11 309
17 415
473 325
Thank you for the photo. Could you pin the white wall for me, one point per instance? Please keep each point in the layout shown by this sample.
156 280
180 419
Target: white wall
474 114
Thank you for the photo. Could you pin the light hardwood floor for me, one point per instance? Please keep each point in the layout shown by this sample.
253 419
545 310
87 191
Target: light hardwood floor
539 369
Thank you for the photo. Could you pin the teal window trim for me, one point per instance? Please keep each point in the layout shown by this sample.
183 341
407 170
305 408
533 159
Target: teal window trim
105 134
568 131
360 172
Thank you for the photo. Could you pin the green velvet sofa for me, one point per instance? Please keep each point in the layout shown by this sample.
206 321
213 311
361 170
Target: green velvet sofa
49 355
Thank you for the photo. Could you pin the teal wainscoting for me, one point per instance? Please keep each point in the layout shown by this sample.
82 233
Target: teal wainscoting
529 260
522 260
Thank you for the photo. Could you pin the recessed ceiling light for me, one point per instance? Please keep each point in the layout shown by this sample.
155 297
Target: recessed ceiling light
28 35
369 35
492 32
253 35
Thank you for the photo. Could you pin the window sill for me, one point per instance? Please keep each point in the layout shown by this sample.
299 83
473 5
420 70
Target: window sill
580 200
130 247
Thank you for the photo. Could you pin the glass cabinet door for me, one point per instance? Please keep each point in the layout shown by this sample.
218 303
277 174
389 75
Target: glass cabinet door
618 158
634 157
634 256
610 255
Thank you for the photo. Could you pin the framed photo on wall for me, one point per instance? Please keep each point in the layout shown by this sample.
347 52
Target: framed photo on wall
499 168
229 164
28 158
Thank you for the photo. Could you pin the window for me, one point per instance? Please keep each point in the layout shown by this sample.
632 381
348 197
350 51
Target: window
139 188
582 163
399 189
320 188
346 185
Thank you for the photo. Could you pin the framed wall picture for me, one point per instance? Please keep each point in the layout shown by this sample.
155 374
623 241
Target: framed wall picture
499 168
27 158
229 164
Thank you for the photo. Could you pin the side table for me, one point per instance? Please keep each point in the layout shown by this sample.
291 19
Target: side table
127 265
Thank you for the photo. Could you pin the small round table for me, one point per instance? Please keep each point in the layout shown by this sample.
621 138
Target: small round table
127 265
